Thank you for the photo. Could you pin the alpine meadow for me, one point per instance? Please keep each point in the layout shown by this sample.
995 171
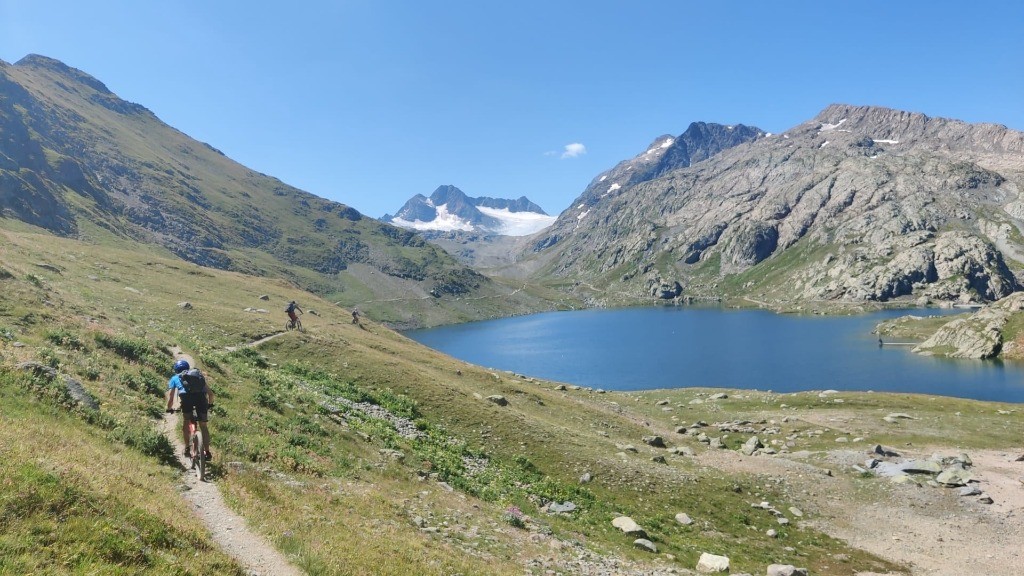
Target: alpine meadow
349 449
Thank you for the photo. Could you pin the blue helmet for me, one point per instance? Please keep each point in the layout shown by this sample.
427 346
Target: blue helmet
181 366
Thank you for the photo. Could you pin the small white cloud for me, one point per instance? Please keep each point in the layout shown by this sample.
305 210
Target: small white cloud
574 150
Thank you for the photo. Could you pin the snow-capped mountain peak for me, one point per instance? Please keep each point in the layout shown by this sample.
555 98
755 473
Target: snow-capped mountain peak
448 209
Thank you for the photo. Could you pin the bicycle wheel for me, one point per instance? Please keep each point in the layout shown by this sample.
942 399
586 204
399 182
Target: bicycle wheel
198 454
298 325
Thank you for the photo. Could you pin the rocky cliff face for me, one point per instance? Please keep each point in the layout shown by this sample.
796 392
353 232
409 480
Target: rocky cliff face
860 203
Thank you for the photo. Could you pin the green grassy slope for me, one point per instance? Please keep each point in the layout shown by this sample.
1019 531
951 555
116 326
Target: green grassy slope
308 450
80 162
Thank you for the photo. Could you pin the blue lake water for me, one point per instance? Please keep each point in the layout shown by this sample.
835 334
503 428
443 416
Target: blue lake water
647 348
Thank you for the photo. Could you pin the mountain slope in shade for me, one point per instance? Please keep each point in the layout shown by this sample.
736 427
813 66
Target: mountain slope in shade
448 209
858 204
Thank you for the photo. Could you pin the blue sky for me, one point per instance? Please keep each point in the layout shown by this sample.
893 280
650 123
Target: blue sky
370 102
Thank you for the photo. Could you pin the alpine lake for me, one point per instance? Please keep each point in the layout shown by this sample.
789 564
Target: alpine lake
669 347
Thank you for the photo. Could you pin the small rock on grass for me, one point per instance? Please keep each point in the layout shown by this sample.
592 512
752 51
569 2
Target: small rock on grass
786 570
645 544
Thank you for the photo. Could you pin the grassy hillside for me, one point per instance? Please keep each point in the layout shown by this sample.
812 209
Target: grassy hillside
82 163
357 451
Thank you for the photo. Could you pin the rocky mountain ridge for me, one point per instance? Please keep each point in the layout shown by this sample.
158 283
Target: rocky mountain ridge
858 204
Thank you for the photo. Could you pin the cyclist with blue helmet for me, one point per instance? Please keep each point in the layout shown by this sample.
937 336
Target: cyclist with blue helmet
196 402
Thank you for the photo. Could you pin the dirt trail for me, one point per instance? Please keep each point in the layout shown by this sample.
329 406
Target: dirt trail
227 528
250 344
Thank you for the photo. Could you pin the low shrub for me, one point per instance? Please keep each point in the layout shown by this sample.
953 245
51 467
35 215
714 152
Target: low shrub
131 349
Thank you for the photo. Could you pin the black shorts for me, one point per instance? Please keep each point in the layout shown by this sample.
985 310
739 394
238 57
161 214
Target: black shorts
197 411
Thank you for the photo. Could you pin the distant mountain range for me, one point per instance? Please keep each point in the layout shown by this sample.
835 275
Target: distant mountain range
858 204
448 209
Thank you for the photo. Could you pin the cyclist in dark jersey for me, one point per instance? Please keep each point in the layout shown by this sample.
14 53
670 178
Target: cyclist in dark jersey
195 406
292 307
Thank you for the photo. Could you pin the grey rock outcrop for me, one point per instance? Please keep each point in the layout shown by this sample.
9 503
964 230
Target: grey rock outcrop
979 335
629 527
751 446
879 204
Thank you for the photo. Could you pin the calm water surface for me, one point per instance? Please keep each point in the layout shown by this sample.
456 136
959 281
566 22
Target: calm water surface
645 348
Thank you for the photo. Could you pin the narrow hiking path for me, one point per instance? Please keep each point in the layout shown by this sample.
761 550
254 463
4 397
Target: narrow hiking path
248 345
228 529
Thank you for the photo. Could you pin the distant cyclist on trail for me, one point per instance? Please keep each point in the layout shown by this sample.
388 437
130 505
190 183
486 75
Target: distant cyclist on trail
189 385
355 315
291 309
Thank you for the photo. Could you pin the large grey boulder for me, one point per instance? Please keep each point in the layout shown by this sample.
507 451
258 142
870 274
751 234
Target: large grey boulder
752 445
954 476
629 527
655 441
645 544
921 467
711 563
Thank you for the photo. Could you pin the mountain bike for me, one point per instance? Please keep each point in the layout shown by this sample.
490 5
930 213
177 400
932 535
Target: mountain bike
198 454
293 325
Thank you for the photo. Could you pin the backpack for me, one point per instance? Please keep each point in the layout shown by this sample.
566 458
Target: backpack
193 381
290 308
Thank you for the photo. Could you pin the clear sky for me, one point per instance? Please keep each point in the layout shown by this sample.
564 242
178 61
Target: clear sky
369 102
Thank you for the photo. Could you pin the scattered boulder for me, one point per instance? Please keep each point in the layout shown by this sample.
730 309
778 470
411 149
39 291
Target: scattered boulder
970 491
684 519
954 476
561 508
719 396
645 544
498 399
921 467
752 445
629 527
185 305
710 563
884 452
74 388
655 441
786 570
586 478
897 416
264 297
904 479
